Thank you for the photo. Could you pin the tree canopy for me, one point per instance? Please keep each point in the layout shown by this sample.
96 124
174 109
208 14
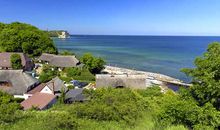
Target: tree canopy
21 37
94 64
206 76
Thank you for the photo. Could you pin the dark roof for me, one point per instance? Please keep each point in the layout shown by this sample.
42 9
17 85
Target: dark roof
60 60
75 95
19 80
56 84
39 100
5 59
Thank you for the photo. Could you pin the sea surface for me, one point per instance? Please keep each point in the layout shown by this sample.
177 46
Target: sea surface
160 54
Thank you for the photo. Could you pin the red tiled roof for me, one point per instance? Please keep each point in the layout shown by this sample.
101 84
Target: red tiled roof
37 89
39 100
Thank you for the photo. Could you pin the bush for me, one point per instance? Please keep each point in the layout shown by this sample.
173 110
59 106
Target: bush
48 73
8 108
71 72
70 87
172 109
16 62
111 105
152 91
95 65
58 121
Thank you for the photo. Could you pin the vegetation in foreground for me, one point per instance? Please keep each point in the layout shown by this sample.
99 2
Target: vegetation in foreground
109 108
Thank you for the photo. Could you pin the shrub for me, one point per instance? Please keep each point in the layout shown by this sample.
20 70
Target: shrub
95 65
72 72
152 91
16 62
172 109
111 105
8 108
48 73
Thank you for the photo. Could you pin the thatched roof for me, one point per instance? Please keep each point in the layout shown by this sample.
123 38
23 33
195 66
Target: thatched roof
131 81
5 59
59 60
46 57
19 80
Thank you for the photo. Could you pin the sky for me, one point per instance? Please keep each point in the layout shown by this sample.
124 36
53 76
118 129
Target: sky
117 17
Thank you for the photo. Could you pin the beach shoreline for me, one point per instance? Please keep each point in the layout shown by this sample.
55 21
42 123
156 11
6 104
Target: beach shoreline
156 77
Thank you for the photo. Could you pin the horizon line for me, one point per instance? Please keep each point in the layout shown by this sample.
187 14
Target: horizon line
148 35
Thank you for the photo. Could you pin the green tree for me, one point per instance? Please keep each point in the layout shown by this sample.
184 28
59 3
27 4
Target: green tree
48 73
21 37
71 72
94 64
171 108
206 76
8 108
16 62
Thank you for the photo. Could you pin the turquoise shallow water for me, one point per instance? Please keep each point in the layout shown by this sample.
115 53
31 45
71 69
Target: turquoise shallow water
161 54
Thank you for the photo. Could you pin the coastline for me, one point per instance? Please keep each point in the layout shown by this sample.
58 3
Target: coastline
154 77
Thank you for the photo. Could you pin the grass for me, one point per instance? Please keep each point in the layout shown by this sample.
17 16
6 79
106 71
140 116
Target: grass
85 76
34 122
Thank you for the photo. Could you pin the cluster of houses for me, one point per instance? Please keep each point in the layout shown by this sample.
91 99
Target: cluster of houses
21 83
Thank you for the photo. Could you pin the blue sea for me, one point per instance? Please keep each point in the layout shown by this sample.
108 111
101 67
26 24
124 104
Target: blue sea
160 54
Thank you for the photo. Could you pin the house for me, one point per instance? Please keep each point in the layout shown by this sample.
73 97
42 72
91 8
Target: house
16 82
40 101
59 60
121 80
74 95
55 86
5 61
44 95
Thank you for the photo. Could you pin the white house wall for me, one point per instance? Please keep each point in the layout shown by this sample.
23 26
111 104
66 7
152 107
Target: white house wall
46 89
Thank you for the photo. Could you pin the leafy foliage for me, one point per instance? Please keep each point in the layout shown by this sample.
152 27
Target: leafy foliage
77 74
174 110
71 72
95 65
21 37
206 76
111 105
8 109
48 73
16 62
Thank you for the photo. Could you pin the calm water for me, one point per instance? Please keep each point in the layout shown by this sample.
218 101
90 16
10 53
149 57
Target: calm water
161 54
